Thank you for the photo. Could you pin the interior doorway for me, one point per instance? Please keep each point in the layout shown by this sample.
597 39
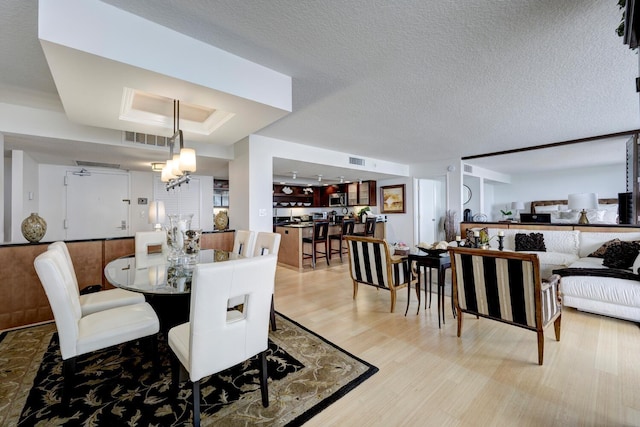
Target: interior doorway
432 207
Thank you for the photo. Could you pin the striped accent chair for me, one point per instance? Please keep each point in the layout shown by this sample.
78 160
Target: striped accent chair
371 263
505 286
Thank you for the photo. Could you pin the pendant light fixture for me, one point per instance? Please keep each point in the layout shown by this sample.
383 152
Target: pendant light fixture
180 165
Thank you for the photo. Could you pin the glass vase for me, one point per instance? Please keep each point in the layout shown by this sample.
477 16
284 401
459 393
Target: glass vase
176 233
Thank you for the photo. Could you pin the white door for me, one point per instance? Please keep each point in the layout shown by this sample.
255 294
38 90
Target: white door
431 209
97 205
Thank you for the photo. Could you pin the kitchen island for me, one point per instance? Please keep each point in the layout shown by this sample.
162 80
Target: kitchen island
290 254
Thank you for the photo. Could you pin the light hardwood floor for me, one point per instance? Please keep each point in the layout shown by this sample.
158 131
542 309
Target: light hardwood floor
488 377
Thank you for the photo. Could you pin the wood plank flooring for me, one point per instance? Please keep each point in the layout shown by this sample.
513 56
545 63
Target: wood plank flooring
489 376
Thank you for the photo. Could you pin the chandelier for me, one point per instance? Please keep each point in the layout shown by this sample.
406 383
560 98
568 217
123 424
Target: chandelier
180 165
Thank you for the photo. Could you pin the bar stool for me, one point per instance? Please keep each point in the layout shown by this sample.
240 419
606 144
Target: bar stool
319 236
345 230
369 228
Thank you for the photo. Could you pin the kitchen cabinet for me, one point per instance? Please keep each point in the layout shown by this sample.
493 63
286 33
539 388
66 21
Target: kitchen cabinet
362 194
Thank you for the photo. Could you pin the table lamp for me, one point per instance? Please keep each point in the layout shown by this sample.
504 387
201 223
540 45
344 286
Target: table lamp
583 201
517 206
156 214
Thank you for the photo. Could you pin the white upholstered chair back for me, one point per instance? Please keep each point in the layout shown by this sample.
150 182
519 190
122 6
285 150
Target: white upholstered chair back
62 297
64 250
266 243
243 242
144 239
219 338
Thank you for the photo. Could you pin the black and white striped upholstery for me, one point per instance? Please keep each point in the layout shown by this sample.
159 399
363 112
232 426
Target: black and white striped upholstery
371 263
505 286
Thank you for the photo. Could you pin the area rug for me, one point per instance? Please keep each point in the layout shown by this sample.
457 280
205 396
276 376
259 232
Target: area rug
118 386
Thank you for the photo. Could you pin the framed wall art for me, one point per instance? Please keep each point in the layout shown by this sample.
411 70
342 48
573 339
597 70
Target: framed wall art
392 197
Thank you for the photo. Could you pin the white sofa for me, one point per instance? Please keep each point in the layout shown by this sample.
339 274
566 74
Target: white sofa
608 296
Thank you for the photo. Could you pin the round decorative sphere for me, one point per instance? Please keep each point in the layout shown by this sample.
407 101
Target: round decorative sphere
33 228
221 220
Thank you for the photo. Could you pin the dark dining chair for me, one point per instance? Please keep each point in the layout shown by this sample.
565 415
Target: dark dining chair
319 236
346 229
369 228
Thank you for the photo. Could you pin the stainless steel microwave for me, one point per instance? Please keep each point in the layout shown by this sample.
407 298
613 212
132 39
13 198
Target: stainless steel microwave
338 199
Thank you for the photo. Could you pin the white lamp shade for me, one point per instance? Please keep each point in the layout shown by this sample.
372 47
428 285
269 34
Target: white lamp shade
517 206
167 172
188 160
156 212
580 201
175 166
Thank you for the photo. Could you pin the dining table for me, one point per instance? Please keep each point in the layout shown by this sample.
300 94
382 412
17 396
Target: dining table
165 283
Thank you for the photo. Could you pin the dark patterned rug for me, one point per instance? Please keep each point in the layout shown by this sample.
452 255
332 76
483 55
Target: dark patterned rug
118 386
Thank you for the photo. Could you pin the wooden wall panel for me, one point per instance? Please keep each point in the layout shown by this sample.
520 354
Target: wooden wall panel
23 300
223 241
87 262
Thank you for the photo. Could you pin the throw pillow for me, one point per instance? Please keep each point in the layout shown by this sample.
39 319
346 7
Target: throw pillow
620 255
530 242
471 242
599 253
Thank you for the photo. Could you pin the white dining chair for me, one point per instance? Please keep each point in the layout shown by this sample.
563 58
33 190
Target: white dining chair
216 338
80 334
144 239
94 301
268 243
243 242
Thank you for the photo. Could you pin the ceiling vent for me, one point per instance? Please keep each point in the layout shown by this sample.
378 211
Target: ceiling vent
356 161
468 168
144 139
97 165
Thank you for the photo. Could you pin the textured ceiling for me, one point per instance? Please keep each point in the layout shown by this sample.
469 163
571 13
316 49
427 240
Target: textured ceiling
405 81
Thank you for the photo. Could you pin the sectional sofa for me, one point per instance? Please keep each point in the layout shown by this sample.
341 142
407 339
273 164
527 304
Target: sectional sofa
586 283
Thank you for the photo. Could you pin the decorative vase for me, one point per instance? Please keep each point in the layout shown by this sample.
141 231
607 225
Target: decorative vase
176 233
33 227
221 220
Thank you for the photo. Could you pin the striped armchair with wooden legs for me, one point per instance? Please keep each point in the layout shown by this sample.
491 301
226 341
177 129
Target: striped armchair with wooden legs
505 286
371 263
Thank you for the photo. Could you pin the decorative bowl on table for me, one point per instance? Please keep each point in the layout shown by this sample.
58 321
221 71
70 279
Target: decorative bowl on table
307 203
275 203
299 203
432 251
284 203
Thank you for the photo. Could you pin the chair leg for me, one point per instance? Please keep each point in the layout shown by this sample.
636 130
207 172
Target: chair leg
175 376
355 289
196 403
313 255
272 316
326 251
393 299
264 374
459 322
556 326
68 375
540 346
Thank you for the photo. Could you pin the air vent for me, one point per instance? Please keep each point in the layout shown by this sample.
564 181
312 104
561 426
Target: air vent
97 164
356 161
468 168
145 139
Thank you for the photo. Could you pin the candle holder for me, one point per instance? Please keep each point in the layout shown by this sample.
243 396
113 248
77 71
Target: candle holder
500 243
